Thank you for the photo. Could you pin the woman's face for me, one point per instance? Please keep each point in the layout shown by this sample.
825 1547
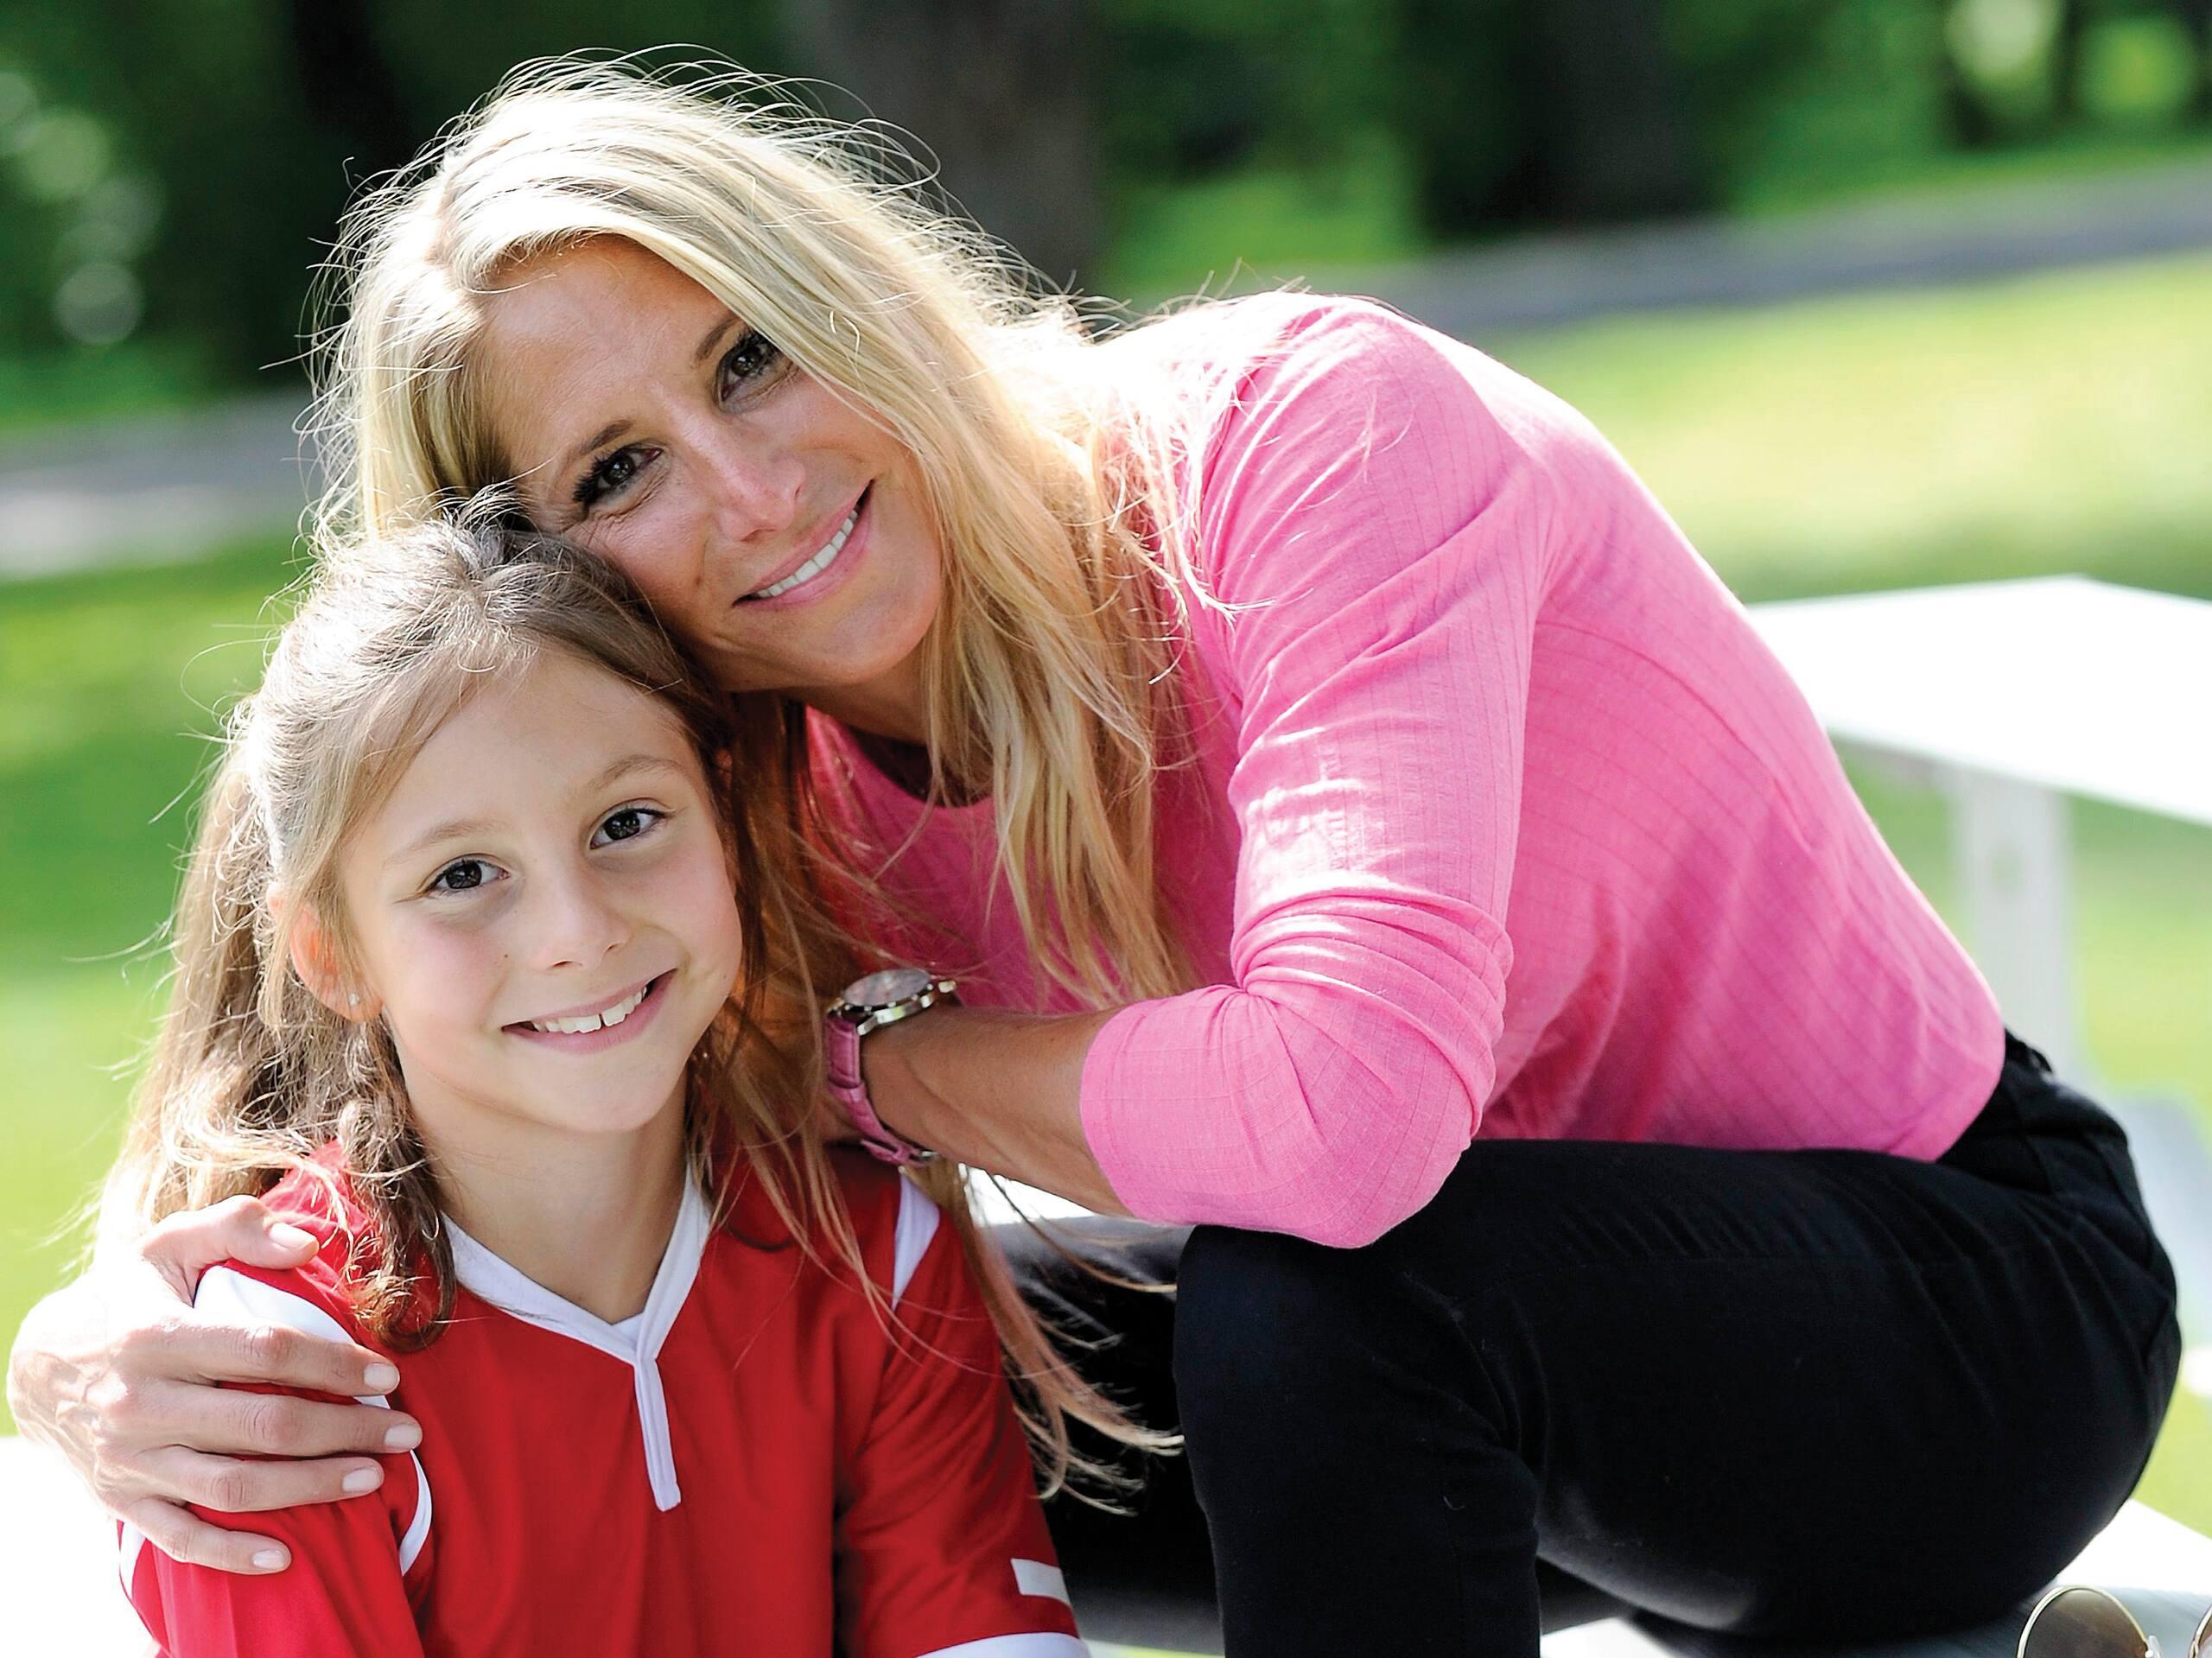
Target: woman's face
774 527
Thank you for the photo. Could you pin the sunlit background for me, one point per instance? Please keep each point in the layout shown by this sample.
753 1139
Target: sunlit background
1874 292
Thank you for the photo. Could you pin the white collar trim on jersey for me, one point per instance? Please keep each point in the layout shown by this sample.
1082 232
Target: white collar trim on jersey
636 1342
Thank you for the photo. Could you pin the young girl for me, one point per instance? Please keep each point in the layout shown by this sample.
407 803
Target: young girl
467 940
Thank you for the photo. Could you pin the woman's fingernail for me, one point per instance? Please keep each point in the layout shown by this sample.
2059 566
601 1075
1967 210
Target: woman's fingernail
404 1436
380 1378
362 1479
270 1559
291 1237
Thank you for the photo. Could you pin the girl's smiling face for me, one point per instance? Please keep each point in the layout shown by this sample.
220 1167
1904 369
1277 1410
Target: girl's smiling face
775 527
542 911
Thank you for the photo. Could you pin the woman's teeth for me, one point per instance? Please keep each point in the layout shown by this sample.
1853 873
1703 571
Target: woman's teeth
613 1015
821 561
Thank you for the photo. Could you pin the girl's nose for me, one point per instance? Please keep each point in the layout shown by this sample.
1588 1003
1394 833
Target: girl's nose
579 925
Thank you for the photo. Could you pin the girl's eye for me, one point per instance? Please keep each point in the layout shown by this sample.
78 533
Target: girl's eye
751 358
461 875
627 824
611 476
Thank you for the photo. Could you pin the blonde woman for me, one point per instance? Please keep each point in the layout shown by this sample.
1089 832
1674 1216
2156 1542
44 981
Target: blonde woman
1361 831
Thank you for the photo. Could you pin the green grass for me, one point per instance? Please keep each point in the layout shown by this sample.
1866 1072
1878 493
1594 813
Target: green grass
106 682
2059 422
2055 422
67 388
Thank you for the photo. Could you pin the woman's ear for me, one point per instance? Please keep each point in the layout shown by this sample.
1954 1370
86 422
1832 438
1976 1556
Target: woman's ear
316 961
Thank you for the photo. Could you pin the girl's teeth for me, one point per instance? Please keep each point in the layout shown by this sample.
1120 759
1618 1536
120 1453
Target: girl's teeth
814 567
613 1015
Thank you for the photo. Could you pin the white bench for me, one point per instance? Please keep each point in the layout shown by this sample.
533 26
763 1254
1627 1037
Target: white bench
59 1593
2009 698
2161 1568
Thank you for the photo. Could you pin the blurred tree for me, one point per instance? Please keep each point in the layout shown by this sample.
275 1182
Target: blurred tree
1565 111
203 99
2076 18
1970 120
2196 20
2069 31
1195 86
177 165
1000 91
346 75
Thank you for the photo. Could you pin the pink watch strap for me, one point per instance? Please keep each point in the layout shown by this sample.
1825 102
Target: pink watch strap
841 1044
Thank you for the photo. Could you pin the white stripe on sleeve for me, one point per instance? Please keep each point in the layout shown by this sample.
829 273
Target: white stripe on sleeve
1015 1646
1047 1582
229 1294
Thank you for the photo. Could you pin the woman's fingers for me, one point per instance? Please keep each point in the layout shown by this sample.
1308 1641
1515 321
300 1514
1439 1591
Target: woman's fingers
235 1422
190 1347
243 1485
184 1536
237 1229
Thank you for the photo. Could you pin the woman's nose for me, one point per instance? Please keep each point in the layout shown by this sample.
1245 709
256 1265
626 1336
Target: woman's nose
755 482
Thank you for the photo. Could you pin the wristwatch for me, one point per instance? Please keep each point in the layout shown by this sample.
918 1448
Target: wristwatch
867 1004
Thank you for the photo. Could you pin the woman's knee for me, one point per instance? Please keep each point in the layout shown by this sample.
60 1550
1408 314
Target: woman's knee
1275 1334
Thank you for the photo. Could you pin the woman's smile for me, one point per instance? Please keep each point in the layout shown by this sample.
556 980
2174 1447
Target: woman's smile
804 583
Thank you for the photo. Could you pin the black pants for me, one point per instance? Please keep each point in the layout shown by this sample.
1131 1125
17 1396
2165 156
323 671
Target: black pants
1815 1392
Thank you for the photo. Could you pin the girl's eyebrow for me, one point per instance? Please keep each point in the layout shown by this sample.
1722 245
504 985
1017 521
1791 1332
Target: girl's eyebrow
629 763
461 829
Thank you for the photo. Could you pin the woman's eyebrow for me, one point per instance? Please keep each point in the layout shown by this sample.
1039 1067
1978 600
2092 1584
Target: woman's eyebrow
614 429
714 336
605 434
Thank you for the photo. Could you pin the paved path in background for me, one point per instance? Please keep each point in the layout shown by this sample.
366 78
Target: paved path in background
151 490
174 486
1935 241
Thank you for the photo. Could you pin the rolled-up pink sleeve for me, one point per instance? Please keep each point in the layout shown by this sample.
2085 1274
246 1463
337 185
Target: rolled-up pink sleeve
1374 537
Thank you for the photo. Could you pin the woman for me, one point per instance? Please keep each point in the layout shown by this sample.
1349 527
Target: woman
1362 829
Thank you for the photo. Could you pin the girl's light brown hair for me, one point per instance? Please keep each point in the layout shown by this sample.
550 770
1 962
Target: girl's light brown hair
251 1074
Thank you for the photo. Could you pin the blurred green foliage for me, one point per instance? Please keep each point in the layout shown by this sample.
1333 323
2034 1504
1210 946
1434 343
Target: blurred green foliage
170 170
242 126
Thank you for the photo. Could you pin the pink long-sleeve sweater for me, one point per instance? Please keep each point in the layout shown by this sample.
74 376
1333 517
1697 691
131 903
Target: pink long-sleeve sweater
1505 821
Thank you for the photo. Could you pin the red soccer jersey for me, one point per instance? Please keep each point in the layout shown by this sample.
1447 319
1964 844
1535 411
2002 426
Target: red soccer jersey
753 1463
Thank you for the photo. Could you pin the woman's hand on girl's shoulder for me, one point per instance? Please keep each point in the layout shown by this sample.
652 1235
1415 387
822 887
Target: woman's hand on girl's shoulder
120 1374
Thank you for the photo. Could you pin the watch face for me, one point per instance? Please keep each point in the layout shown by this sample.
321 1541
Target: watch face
893 984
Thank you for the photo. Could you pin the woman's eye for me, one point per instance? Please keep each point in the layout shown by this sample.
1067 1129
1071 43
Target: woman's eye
627 824
461 875
752 358
611 476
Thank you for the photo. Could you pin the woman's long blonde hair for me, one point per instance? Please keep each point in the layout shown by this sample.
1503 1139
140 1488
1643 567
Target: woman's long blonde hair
1051 673
251 1074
